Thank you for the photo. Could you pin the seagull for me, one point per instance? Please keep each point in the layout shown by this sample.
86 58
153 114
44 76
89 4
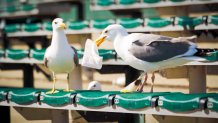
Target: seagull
60 57
94 85
149 52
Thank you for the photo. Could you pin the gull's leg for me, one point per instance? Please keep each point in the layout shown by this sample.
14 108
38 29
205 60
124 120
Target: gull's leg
53 88
133 85
152 80
140 89
68 84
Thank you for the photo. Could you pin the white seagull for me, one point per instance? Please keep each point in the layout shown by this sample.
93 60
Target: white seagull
149 52
60 57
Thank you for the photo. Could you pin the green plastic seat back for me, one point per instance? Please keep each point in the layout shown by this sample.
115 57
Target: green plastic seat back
181 102
213 56
77 25
106 54
3 92
37 54
127 2
11 28
57 99
28 7
158 22
151 1
48 26
189 21
31 27
24 95
94 98
212 103
101 24
130 22
136 100
16 54
214 19
104 2
10 9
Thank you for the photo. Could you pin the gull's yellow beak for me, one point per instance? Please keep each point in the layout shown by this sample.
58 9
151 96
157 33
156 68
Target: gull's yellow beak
62 25
99 41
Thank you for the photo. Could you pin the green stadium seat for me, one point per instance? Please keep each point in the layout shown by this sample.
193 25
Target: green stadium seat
37 54
130 22
151 1
12 28
101 24
127 2
105 53
78 25
177 0
104 2
94 98
214 19
47 26
10 9
58 99
182 102
16 54
213 56
27 7
32 27
212 103
158 22
24 95
136 100
3 93
2 53
189 21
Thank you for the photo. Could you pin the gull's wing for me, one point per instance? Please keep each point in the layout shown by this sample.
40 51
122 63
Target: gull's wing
155 48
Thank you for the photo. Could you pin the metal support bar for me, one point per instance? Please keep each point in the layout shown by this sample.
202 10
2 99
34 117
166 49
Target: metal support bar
5 114
60 116
28 77
197 79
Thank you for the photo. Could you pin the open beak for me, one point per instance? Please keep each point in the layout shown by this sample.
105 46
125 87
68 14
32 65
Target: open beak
62 25
99 41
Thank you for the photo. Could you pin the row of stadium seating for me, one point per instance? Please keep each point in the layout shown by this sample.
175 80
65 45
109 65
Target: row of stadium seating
38 54
173 101
126 22
130 2
23 7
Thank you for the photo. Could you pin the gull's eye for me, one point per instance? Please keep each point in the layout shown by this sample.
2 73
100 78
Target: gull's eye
106 31
55 22
94 85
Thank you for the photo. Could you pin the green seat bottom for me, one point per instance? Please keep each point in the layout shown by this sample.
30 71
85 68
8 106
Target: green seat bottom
158 22
10 9
130 22
47 26
151 1
189 21
94 98
57 99
37 54
24 95
136 100
213 56
127 2
212 103
16 54
3 92
177 0
31 27
181 102
27 7
104 2
101 24
11 28
77 25
214 19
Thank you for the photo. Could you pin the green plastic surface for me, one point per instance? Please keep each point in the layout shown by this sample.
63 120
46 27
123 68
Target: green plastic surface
10 9
101 24
11 28
57 99
104 2
27 7
127 2
3 92
212 103
105 53
213 56
77 25
2 52
37 53
136 100
158 22
130 22
151 1
214 19
181 102
31 27
24 95
94 98
177 0
48 26
189 21
16 54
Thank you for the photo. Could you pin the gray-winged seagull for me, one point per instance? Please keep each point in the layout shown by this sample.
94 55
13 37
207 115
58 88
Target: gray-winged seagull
149 52
60 57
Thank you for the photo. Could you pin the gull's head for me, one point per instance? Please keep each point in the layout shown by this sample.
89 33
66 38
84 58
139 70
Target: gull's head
58 24
110 33
94 85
